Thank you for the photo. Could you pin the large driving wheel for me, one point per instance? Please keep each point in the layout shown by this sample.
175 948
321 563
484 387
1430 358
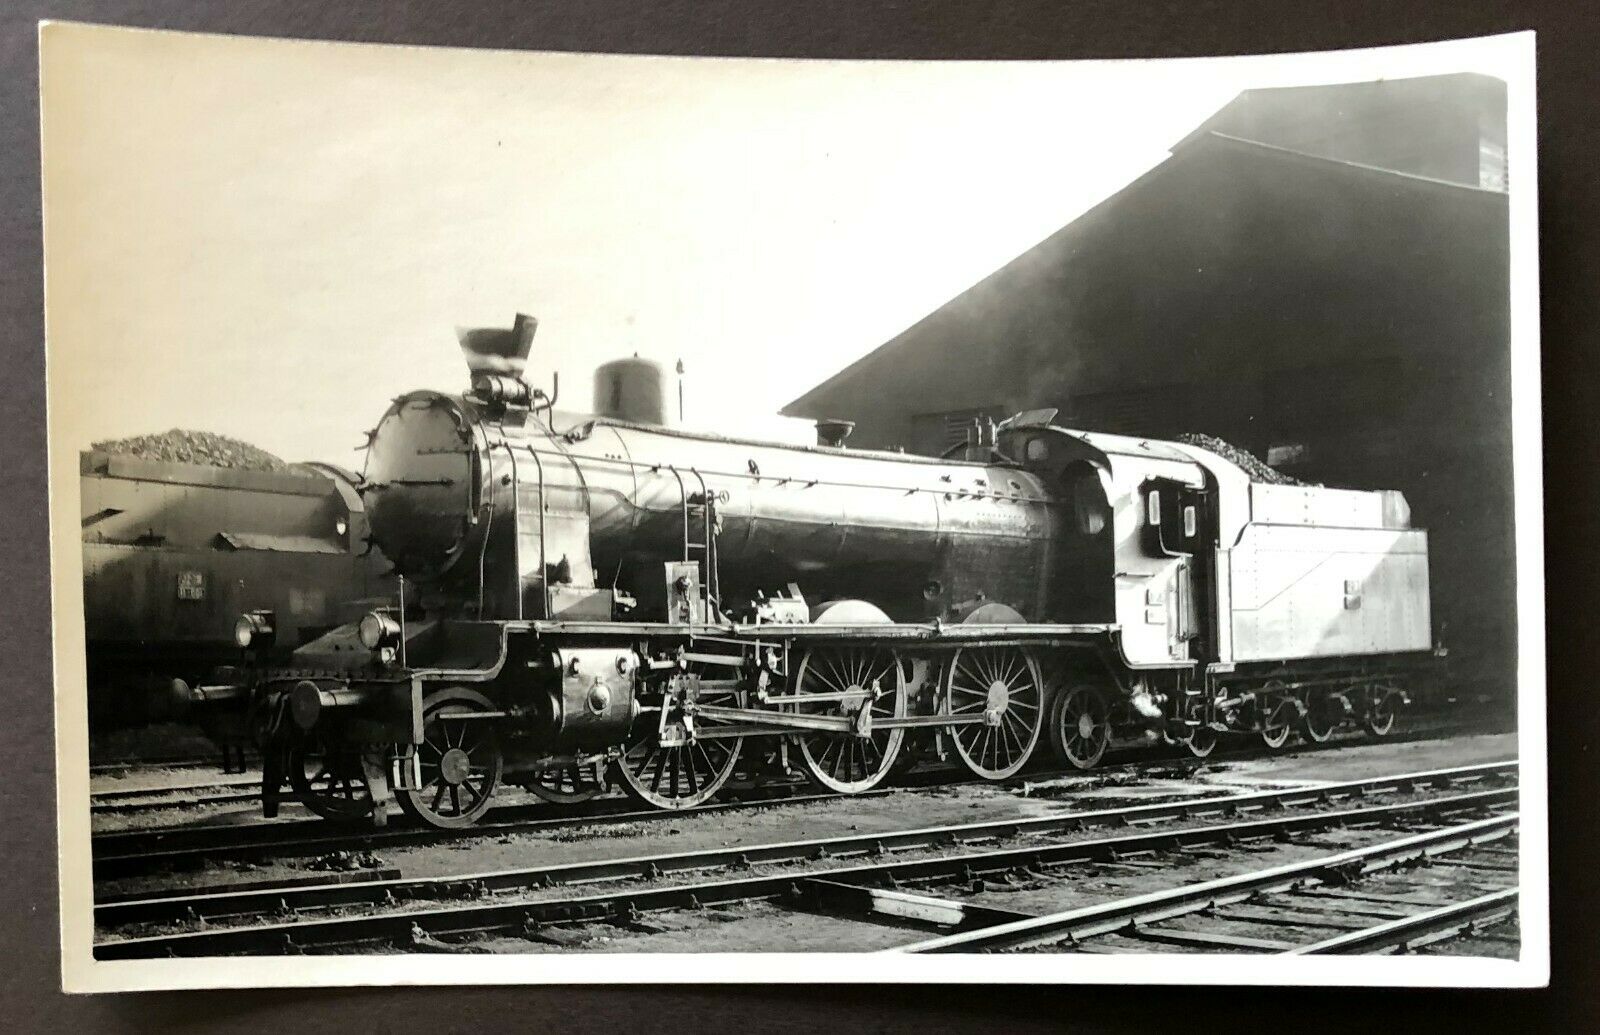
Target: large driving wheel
663 765
460 761
850 677
328 780
1004 685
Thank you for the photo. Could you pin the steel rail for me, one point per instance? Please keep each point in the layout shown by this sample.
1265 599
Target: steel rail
125 793
1109 917
1423 928
159 762
130 851
149 803
420 926
123 852
214 905
220 906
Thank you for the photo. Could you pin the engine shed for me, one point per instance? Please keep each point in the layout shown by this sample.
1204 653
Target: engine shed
1318 275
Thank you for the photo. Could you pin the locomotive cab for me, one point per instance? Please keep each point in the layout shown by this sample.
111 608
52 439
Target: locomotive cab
1140 507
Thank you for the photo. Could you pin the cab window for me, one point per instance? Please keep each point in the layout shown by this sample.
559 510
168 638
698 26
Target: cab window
1089 509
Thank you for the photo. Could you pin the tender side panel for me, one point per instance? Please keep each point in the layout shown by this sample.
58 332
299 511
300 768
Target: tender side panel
1315 505
1301 591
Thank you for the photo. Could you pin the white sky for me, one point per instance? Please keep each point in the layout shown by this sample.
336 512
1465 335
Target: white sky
271 239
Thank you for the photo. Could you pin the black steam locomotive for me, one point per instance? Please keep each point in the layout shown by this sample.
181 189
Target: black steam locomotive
612 597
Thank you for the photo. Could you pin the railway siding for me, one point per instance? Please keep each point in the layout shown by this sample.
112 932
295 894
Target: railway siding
370 910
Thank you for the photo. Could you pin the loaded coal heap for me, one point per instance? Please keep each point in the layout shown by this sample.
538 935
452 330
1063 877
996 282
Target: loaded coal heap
195 447
1247 462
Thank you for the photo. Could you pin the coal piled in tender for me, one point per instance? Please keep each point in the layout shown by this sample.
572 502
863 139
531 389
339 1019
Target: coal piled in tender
195 447
1248 462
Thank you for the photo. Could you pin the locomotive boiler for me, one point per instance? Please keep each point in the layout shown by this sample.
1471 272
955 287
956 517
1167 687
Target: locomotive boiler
607 598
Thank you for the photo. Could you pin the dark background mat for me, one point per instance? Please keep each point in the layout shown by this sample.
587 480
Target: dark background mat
1569 158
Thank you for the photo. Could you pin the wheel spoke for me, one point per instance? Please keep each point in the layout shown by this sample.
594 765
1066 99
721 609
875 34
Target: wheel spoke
994 751
842 761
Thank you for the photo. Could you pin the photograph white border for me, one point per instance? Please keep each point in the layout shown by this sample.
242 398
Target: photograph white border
1514 57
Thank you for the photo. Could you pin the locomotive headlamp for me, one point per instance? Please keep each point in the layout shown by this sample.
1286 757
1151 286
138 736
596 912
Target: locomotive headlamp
255 629
378 629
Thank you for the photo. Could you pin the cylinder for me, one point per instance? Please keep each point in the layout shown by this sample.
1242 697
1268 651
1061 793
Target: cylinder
632 389
307 701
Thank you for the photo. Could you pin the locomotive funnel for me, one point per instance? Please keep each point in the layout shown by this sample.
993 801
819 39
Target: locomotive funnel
496 350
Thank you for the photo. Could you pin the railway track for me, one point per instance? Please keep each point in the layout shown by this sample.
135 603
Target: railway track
156 798
1324 902
125 853
423 913
170 762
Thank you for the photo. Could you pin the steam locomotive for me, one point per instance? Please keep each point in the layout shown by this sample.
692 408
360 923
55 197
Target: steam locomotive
609 597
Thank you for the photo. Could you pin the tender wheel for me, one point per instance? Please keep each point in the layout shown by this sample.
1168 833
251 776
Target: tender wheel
1381 711
686 771
1324 713
1000 682
1080 727
852 676
460 760
1279 716
329 783
568 784
1201 741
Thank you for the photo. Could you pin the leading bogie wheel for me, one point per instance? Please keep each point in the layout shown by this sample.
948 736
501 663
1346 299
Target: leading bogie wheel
328 781
666 763
848 678
570 784
459 758
1080 727
1004 686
